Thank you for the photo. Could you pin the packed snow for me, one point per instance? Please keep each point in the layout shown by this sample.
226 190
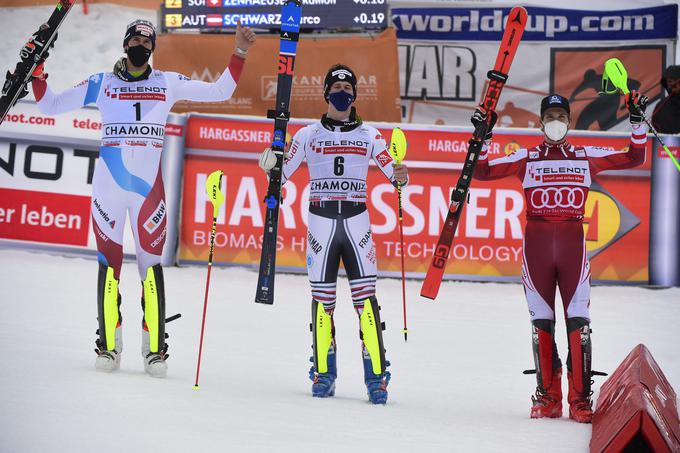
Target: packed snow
457 385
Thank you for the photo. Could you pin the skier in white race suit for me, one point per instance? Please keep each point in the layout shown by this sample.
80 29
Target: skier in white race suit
556 176
134 101
338 149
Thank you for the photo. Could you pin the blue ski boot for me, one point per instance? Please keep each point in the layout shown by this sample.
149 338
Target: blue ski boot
376 384
323 384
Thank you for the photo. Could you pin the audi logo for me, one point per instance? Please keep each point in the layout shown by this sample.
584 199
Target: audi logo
558 197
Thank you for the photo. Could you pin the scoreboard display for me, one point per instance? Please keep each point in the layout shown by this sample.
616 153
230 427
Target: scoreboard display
216 15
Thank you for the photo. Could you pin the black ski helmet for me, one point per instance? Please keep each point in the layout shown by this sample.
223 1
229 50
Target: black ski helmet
339 73
140 27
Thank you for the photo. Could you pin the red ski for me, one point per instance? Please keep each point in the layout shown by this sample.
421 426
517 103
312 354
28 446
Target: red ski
517 20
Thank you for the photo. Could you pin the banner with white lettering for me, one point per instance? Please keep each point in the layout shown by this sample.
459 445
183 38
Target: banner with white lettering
46 168
444 54
489 242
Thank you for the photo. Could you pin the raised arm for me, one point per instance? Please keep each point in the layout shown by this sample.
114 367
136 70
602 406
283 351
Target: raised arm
604 159
183 88
50 103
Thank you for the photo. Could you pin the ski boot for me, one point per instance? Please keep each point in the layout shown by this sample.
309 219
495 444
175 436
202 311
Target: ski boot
580 404
110 341
579 365
154 348
109 360
373 352
323 371
323 384
376 384
547 401
154 362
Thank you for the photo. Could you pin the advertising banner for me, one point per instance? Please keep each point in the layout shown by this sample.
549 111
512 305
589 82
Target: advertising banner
444 54
204 57
489 239
46 168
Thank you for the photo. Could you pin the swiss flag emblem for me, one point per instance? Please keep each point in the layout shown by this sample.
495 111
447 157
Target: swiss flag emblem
384 158
214 2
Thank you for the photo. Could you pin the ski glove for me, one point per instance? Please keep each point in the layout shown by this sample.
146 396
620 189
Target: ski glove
480 116
267 160
637 104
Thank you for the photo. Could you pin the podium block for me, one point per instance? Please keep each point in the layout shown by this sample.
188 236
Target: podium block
636 410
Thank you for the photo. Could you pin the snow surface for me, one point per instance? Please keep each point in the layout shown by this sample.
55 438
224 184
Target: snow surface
457 384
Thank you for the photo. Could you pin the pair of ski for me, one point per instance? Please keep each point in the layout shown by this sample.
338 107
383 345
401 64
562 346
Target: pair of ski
497 77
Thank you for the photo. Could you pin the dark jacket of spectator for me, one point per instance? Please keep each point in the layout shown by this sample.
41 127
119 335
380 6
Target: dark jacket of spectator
666 116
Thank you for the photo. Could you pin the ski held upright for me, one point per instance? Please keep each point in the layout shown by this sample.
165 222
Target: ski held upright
514 29
290 31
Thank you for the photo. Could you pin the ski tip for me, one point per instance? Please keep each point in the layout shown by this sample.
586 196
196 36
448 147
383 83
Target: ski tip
519 14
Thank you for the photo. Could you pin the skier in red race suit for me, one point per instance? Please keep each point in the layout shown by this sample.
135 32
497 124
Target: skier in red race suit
556 176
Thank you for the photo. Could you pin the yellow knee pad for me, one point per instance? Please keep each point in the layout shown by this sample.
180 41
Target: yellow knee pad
371 334
154 307
108 302
322 331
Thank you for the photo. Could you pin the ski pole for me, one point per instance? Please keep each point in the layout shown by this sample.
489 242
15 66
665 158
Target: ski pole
615 73
398 152
213 188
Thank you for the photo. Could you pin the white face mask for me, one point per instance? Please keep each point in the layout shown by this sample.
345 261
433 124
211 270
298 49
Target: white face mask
555 130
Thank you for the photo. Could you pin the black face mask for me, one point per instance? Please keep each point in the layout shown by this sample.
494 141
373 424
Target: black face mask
138 55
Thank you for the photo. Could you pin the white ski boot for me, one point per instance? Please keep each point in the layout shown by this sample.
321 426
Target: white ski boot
108 361
154 362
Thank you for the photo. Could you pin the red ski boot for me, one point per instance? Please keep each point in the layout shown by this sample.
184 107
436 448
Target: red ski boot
548 403
580 405
579 366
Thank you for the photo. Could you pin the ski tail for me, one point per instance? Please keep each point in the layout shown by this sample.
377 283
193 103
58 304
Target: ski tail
514 29
291 14
32 54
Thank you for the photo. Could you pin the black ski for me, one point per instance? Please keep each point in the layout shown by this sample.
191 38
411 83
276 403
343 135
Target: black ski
290 29
35 51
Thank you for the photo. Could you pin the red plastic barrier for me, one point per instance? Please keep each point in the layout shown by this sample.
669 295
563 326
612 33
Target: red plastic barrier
636 406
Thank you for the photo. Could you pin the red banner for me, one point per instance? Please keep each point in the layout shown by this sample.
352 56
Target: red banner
44 217
489 238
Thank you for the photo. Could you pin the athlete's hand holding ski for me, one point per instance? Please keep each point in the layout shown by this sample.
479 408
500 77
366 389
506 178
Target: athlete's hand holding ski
290 28
32 56
497 77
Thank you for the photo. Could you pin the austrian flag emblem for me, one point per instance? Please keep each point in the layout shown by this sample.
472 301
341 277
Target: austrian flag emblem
383 158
